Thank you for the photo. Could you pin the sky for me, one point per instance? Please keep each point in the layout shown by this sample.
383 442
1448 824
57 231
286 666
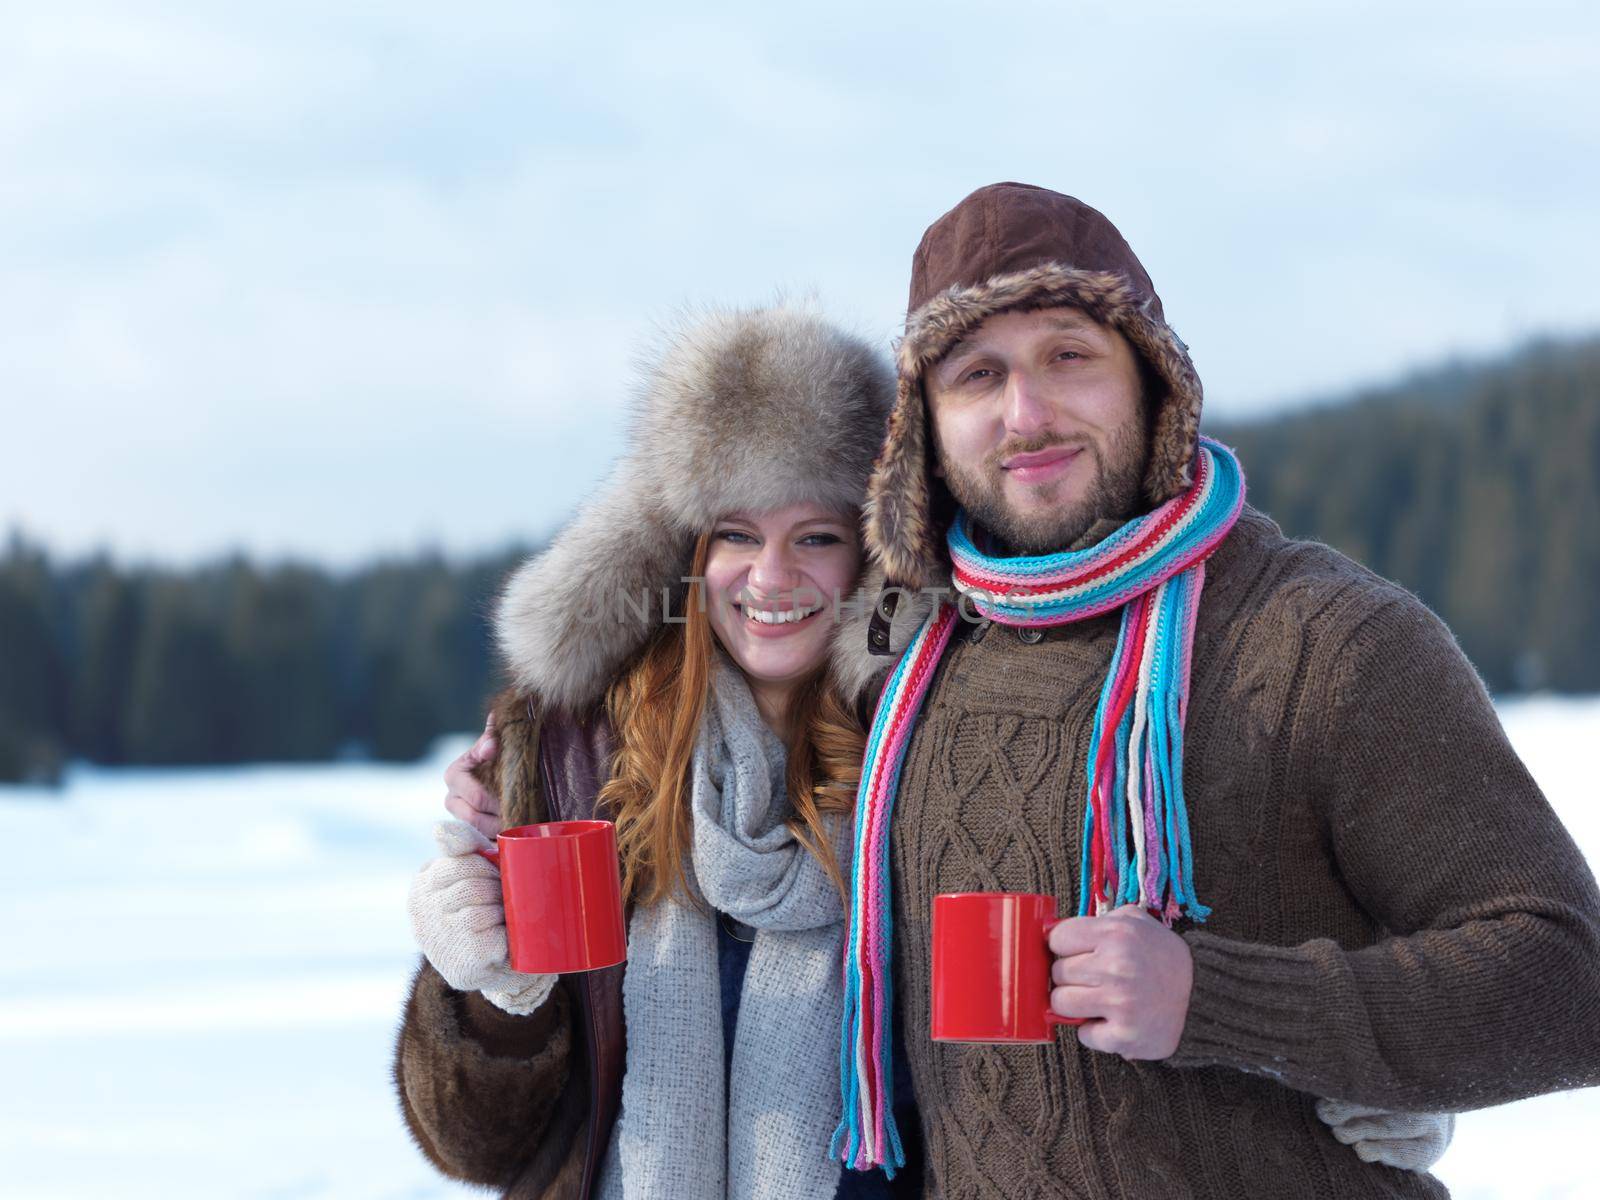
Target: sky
335 281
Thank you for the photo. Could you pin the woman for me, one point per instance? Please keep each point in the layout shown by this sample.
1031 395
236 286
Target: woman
703 719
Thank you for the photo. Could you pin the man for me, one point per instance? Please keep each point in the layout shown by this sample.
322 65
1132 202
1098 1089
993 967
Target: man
1321 872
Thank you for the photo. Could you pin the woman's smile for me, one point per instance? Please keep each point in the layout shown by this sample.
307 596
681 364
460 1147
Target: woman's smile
776 622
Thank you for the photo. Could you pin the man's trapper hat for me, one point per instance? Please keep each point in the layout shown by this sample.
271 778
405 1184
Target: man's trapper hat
1014 246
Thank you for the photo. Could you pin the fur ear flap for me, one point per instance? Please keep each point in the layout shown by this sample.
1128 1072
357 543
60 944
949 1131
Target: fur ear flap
1176 435
570 618
898 513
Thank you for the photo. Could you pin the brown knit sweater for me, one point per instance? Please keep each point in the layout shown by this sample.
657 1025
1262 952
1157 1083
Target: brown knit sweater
1399 919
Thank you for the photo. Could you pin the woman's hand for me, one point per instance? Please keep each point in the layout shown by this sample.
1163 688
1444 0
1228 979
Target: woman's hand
465 798
1410 1141
459 920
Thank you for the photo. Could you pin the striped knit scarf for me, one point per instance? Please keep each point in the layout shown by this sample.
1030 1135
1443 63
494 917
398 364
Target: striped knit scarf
1136 846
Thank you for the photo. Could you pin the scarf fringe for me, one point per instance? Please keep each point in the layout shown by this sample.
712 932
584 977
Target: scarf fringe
1136 840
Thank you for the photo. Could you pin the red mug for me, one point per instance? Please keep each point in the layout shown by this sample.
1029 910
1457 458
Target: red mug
991 968
562 885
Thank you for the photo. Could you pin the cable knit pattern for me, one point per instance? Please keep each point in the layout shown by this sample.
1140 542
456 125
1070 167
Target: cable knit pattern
1389 890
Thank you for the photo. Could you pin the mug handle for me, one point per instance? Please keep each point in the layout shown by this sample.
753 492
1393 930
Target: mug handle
1050 1015
492 853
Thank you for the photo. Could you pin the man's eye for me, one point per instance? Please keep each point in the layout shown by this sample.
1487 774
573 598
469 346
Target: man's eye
976 374
1069 354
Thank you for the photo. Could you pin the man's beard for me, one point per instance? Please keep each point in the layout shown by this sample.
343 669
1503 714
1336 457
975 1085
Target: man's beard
1114 492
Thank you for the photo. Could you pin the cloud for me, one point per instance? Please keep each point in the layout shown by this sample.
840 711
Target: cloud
334 279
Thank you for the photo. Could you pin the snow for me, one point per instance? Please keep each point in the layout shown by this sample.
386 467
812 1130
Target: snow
202 973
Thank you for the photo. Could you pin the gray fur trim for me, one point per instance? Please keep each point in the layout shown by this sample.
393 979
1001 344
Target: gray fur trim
748 410
571 616
758 410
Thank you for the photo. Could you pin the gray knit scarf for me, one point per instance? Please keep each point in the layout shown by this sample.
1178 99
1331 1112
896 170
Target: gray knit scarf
681 1133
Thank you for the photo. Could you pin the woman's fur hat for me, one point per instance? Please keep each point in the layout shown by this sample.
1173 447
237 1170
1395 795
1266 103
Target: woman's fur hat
748 410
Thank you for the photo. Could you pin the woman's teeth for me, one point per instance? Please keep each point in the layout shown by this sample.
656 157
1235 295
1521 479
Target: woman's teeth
787 617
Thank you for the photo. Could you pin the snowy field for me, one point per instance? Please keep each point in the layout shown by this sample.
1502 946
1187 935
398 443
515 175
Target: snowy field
202 972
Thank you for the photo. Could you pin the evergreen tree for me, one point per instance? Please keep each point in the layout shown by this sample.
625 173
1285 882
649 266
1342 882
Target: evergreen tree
277 637
180 697
33 710
109 622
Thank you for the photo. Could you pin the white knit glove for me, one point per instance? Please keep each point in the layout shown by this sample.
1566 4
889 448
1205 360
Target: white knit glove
458 916
1410 1141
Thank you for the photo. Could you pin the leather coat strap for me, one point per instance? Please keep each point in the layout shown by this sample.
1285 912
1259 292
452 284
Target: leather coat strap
574 761
882 615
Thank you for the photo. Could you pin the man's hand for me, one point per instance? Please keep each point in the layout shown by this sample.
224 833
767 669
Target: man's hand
1129 974
466 798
